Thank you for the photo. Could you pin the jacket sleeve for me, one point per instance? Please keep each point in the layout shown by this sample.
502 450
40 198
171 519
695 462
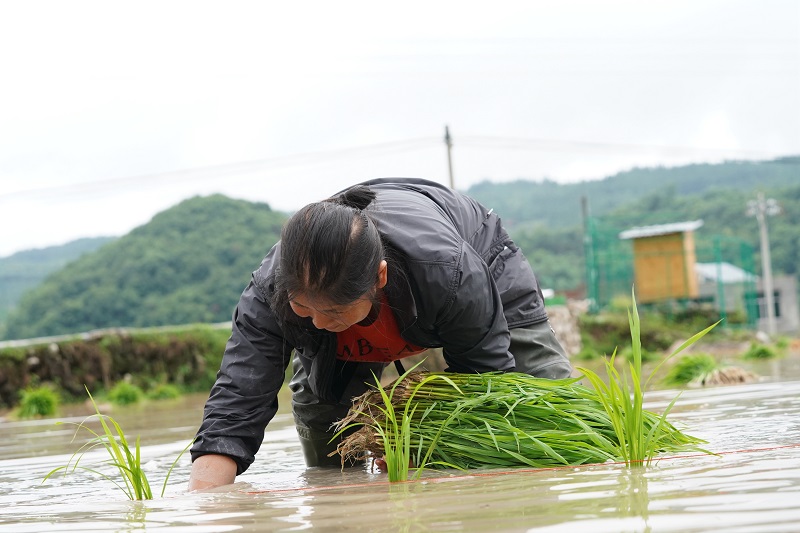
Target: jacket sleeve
471 325
244 398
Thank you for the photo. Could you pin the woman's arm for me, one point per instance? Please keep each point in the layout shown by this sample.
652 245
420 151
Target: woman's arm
472 327
244 397
209 471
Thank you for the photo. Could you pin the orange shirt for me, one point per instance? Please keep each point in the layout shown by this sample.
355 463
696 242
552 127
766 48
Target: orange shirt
380 342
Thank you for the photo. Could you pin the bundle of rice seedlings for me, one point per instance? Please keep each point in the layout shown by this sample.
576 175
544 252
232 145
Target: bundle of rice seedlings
729 375
499 420
692 368
506 420
703 370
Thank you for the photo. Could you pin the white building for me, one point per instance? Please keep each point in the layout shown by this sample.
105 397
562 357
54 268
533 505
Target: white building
730 288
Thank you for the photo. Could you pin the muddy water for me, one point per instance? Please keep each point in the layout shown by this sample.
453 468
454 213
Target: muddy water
753 485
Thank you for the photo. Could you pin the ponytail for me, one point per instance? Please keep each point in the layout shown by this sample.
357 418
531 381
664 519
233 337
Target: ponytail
330 250
358 197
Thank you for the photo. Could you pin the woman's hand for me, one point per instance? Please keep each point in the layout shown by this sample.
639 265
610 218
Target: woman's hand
209 471
379 463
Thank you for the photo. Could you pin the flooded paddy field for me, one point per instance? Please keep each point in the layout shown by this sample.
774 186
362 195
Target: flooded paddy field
752 485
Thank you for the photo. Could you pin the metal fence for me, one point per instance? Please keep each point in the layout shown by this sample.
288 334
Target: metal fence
724 266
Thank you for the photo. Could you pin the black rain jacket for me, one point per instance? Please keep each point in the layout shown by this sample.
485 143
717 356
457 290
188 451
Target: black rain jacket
459 283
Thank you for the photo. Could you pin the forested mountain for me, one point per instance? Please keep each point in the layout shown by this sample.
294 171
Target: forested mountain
188 264
558 254
546 219
24 270
559 206
191 262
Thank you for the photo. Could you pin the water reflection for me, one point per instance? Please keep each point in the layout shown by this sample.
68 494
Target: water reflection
752 485
632 496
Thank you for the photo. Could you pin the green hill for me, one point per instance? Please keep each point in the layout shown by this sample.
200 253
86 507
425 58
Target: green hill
24 270
546 218
191 262
527 203
188 264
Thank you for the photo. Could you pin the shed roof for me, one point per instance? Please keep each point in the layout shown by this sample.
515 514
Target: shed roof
660 229
723 272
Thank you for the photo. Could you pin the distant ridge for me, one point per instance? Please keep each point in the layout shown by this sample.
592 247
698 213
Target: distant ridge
190 263
26 269
559 205
187 265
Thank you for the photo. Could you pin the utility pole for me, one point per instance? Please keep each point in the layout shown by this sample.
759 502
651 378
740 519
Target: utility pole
588 253
449 142
761 208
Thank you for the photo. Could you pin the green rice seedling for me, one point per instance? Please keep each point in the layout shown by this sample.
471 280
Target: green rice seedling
782 344
391 425
124 393
691 368
760 351
37 401
499 420
395 435
510 419
127 461
623 398
164 391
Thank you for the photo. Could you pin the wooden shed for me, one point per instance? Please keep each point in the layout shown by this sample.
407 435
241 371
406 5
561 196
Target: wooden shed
664 261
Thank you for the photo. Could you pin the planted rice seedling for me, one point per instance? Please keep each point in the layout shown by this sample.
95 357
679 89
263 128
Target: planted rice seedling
124 393
37 402
704 370
623 399
127 461
164 391
505 420
759 351
691 368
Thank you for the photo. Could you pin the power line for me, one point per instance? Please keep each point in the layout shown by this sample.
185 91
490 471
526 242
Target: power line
543 143
407 145
218 171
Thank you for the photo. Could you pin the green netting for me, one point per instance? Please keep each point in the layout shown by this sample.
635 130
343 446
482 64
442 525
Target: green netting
729 261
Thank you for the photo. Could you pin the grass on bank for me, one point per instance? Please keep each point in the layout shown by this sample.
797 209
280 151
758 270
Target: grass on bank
187 357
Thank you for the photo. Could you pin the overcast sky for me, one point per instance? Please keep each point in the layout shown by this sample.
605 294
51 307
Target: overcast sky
111 112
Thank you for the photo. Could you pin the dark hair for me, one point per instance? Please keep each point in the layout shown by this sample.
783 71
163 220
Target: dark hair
330 249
